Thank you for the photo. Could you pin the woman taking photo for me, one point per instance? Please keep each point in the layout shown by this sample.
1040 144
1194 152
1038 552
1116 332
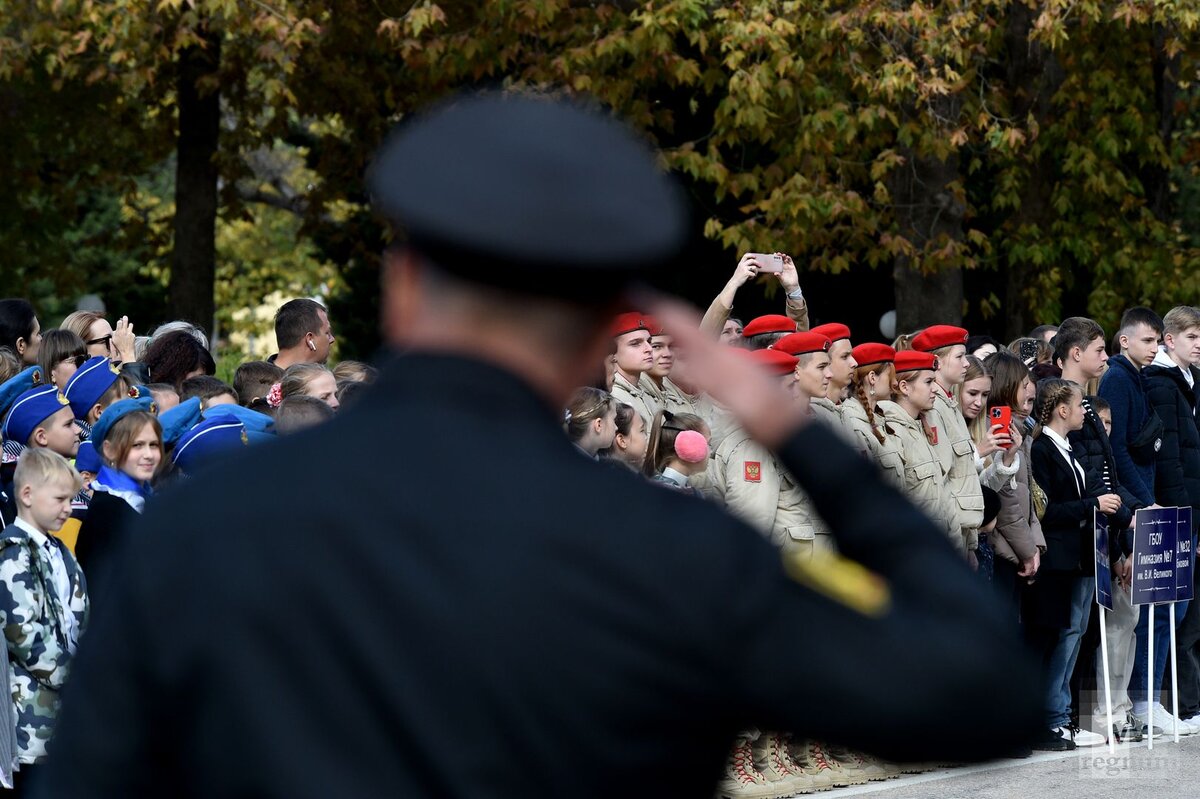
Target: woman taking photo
1017 541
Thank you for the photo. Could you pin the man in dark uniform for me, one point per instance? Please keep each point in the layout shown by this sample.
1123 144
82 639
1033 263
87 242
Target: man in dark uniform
467 620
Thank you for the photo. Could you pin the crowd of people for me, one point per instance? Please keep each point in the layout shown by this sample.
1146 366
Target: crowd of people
95 420
1008 448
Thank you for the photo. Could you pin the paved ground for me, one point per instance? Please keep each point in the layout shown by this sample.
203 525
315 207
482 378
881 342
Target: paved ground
1169 771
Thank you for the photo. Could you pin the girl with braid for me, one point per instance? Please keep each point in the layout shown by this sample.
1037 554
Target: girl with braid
904 416
1058 602
590 420
870 383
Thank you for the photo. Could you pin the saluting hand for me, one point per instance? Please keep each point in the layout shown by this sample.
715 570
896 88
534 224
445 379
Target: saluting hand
123 340
758 401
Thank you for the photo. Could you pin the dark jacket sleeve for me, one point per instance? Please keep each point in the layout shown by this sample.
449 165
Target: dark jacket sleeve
942 633
1169 483
1062 510
1116 389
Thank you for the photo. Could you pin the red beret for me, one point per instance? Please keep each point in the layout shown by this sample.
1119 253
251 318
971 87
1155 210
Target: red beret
834 331
629 322
938 336
913 361
802 343
776 362
771 323
872 353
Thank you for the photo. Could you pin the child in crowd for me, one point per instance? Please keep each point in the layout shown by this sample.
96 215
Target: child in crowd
62 353
1058 602
210 390
128 437
590 420
629 442
871 383
94 386
43 600
253 380
677 450
300 413
904 414
309 380
165 396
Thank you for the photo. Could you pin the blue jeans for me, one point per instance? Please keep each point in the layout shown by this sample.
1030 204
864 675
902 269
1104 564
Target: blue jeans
1162 650
1066 652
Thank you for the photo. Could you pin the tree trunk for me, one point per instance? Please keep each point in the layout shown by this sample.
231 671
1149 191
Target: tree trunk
926 210
1033 75
1156 177
193 260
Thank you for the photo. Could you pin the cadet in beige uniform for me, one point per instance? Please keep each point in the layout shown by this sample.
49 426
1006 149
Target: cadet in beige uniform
950 437
870 384
912 397
656 382
841 368
634 355
749 267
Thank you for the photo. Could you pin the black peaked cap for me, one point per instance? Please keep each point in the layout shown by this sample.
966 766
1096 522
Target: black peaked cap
529 193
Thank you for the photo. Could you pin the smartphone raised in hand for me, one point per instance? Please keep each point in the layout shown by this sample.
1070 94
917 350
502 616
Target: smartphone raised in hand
768 262
1002 417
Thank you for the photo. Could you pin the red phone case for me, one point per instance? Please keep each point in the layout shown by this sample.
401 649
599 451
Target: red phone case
1002 418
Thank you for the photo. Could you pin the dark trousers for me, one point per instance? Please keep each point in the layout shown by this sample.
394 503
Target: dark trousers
22 781
1083 681
1187 642
1008 586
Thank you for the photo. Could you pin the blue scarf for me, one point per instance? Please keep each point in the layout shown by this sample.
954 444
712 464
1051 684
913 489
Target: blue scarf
115 482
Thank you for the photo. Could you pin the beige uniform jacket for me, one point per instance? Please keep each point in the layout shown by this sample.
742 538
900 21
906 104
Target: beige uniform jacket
886 453
755 488
717 315
646 406
956 452
670 396
831 414
924 480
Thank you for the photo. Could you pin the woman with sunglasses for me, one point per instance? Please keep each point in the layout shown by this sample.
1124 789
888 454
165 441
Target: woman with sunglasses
100 337
61 354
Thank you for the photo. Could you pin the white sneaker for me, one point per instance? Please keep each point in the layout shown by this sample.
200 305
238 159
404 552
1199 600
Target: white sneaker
1167 723
1086 737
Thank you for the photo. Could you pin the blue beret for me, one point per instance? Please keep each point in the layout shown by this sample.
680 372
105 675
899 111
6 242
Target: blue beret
137 392
114 413
88 384
17 385
211 437
180 419
561 195
30 410
259 426
87 459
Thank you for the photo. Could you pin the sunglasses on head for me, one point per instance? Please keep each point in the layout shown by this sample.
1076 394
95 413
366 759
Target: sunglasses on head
105 340
78 360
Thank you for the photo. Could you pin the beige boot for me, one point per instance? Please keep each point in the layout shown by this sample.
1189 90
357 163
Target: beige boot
742 780
859 764
819 758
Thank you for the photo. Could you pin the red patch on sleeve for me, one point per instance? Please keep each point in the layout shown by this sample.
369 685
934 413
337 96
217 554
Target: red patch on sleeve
753 471
933 436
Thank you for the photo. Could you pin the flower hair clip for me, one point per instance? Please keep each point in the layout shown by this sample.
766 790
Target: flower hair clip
275 395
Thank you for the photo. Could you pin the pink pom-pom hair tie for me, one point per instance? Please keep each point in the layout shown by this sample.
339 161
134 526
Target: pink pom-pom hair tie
275 395
691 447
